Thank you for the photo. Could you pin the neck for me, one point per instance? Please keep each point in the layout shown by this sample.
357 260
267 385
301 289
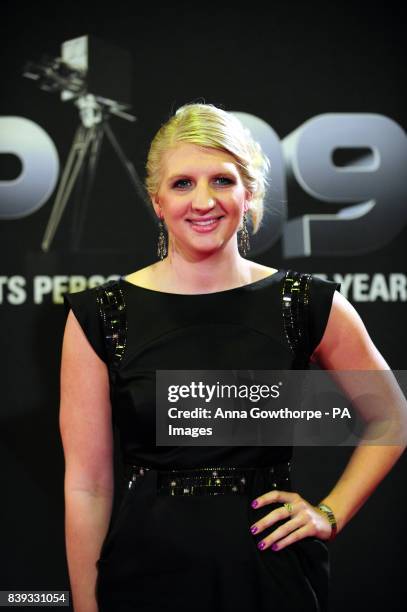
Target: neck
204 273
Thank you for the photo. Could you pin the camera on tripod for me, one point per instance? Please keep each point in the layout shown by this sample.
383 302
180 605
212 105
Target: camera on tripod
87 66
96 76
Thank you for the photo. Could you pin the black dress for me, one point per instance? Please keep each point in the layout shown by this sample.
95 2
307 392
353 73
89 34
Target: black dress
183 553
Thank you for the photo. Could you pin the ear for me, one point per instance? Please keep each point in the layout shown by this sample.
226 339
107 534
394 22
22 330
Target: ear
249 198
156 204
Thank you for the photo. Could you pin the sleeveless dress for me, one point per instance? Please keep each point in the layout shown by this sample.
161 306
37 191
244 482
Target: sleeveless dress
185 552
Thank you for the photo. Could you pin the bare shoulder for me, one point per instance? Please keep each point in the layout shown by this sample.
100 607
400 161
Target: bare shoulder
143 276
259 271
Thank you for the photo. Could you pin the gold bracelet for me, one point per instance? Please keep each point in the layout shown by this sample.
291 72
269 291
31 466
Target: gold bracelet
331 518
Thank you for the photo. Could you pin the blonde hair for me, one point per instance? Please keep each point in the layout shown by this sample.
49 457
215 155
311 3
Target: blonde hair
209 126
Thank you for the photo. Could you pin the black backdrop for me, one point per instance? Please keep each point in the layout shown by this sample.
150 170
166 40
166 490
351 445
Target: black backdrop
285 64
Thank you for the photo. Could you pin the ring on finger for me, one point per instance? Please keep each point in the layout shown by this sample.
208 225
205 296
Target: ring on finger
289 507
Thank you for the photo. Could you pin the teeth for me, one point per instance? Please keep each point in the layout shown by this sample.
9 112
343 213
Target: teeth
204 222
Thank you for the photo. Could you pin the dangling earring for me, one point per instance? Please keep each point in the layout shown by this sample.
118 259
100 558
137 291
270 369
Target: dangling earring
244 243
162 247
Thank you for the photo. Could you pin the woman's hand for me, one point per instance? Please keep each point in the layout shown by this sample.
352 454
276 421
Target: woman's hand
306 520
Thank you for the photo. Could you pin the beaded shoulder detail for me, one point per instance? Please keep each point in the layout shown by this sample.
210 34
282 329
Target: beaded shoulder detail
295 307
112 310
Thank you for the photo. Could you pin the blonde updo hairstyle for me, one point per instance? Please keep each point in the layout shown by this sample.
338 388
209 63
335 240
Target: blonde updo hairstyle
209 126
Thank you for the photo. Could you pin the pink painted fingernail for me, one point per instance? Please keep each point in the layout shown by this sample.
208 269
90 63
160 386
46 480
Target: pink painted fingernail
253 529
274 546
261 545
255 503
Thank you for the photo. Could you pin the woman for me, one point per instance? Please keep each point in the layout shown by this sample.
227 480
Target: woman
201 527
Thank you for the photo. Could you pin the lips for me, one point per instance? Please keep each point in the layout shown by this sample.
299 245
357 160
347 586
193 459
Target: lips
205 226
204 221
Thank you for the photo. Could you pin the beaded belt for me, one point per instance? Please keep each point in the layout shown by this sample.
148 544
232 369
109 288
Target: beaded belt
209 480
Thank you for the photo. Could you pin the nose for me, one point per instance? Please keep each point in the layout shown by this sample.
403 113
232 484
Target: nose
202 199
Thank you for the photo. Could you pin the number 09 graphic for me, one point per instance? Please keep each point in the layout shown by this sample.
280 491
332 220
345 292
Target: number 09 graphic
372 190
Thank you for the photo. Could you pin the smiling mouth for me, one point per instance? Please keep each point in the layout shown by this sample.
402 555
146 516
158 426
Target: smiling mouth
204 222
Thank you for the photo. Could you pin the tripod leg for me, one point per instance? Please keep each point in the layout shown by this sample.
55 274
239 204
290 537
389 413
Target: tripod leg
131 172
80 145
88 179
57 209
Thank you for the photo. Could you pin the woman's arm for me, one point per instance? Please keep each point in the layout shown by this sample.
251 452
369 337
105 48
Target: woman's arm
87 437
346 345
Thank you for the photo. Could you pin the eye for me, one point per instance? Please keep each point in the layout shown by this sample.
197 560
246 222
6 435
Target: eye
178 184
224 178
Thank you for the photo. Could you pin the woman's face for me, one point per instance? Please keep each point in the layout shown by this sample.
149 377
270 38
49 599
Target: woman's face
200 183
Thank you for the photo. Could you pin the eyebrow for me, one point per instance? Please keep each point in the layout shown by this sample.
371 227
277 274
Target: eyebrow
187 175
